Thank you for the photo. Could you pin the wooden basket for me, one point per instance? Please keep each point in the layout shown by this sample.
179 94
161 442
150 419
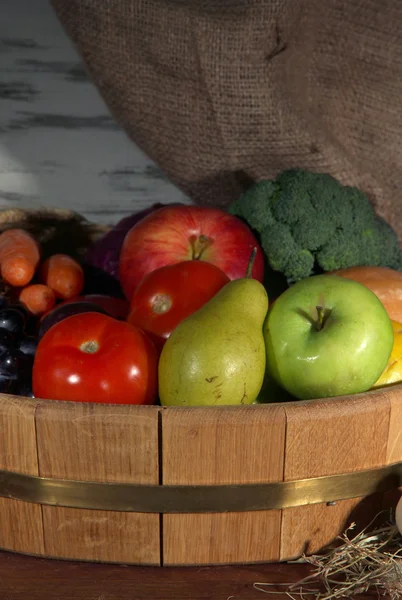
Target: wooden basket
48 447
193 446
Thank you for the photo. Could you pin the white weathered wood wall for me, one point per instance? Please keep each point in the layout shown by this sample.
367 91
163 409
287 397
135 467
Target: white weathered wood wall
59 146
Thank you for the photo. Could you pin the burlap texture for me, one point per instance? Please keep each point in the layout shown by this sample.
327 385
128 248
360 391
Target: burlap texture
220 93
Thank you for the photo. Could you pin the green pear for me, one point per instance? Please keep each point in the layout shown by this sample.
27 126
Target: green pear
217 355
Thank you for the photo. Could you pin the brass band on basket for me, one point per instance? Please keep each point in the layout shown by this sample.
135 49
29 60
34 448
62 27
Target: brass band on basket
127 497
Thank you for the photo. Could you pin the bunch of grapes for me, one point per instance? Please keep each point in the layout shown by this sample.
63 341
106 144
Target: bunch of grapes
17 349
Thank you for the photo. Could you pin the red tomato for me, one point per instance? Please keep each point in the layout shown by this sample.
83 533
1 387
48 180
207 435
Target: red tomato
171 293
91 357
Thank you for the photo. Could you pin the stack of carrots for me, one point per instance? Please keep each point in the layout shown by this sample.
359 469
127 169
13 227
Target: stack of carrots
38 285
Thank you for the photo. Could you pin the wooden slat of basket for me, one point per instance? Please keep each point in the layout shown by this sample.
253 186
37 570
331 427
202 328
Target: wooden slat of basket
20 522
394 446
328 437
216 446
99 442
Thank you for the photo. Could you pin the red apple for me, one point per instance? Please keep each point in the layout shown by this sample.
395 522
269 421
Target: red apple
176 233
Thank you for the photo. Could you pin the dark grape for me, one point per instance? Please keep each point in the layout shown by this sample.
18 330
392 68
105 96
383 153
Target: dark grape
24 388
8 385
16 370
3 302
9 361
9 370
27 345
24 383
21 309
13 321
6 339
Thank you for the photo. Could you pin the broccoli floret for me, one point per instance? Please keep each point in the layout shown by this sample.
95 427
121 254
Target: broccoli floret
341 250
359 213
383 244
293 183
252 206
309 222
284 253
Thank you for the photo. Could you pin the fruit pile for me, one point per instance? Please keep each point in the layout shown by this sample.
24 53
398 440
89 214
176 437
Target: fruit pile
193 316
36 294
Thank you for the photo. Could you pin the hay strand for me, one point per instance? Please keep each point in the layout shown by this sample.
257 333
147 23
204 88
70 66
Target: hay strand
369 560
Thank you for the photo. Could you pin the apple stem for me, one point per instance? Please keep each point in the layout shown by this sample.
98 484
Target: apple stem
320 318
199 245
251 263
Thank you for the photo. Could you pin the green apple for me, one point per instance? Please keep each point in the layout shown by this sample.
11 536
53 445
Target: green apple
327 336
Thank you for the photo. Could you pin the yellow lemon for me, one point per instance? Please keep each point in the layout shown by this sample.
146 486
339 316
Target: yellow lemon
393 371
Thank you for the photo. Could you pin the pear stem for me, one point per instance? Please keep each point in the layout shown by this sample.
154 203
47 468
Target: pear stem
251 263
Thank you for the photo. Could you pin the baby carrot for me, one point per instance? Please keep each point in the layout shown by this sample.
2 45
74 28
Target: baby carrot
63 274
37 298
19 256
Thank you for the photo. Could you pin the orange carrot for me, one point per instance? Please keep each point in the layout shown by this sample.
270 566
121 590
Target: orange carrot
63 274
19 256
37 298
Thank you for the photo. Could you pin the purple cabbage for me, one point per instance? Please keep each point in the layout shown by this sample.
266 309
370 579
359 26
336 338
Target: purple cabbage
105 252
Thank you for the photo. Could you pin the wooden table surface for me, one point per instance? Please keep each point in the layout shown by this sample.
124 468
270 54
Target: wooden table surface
29 578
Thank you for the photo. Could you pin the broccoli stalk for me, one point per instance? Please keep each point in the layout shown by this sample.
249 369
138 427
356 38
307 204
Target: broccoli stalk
310 223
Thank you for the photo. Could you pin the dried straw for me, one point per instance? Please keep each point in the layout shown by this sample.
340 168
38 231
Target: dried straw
371 560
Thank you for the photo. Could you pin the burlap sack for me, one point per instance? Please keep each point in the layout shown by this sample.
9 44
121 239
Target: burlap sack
220 93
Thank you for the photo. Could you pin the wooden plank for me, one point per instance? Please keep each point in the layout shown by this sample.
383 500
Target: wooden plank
327 437
394 446
218 446
26 578
20 522
99 442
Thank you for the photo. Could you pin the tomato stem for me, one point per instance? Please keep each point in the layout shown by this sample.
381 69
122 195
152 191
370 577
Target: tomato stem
161 303
89 347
